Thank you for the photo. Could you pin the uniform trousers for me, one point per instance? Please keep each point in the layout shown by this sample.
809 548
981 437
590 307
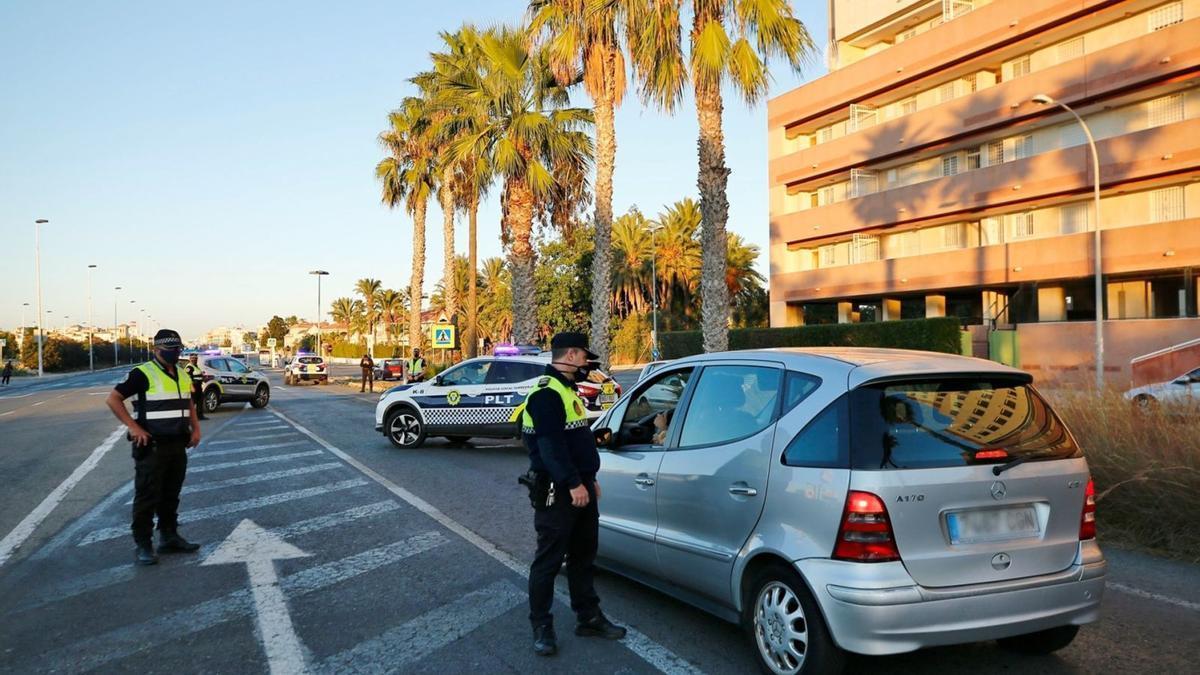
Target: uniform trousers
159 470
565 531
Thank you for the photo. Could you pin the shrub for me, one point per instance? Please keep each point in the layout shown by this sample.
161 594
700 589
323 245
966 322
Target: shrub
937 335
631 340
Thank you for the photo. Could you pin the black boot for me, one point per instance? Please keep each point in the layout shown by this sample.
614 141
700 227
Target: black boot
599 626
145 554
169 541
545 642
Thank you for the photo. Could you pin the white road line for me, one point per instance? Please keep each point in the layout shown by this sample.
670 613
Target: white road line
249 448
98 650
256 423
13 540
648 650
227 441
403 646
256 460
257 478
219 510
1131 590
111 576
7 413
37 404
5 398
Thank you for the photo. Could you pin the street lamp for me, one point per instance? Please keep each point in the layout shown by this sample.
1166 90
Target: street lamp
37 250
1043 99
21 341
319 274
654 292
116 354
91 323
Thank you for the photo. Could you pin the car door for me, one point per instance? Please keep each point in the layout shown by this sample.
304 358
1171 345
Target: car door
224 377
629 470
454 400
712 481
243 380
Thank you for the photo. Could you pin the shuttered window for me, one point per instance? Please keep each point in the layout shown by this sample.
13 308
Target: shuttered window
1165 110
1166 15
1167 204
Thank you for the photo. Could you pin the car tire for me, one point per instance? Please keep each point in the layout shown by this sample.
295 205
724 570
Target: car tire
457 440
404 428
778 601
1145 404
262 396
211 400
287 379
1042 642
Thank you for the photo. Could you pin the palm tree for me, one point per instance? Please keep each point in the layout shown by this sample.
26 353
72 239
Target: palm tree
347 311
740 276
369 290
678 255
409 176
730 43
632 249
524 129
391 305
495 312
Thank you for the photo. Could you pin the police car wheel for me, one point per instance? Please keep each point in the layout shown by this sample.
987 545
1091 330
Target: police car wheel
405 429
262 396
212 399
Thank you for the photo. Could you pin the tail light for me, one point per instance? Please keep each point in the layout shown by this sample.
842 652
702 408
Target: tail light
1087 522
321 368
866 533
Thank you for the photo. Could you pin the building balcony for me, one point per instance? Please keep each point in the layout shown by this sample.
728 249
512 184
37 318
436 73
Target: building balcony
1154 57
1126 249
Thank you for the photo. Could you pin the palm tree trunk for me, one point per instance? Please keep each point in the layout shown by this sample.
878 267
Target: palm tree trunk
712 179
449 287
519 217
418 277
472 297
606 154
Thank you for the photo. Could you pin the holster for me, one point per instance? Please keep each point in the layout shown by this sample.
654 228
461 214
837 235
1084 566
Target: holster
140 452
541 489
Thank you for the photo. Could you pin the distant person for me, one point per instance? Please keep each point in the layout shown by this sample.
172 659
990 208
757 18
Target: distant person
416 367
367 364
166 426
7 373
194 371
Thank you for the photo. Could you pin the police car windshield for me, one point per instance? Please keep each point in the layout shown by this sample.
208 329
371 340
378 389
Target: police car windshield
310 359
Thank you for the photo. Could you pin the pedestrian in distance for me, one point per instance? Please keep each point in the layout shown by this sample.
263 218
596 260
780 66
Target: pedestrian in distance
564 493
367 364
7 372
166 426
416 367
196 373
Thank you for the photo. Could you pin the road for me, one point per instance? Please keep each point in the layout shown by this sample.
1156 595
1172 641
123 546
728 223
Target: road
408 561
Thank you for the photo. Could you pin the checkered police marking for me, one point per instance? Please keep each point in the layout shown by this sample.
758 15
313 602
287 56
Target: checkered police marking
465 416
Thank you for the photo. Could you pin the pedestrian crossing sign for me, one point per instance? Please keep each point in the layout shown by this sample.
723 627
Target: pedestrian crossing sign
442 336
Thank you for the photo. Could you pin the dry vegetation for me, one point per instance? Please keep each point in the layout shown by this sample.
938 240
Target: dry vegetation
1146 468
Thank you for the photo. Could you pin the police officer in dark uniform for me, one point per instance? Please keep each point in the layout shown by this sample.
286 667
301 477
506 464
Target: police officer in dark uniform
194 371
166 426
563 459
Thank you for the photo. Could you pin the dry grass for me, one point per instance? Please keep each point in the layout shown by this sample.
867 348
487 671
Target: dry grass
1146 468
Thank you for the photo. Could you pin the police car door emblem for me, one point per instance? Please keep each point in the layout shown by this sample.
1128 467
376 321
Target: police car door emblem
453 397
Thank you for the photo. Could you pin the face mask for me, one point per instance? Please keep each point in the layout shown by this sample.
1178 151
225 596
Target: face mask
581 372
169 356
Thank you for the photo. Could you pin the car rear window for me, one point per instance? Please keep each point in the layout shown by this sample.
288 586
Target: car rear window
930 424
311 359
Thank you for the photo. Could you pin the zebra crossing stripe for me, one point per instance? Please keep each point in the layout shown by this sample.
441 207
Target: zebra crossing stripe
256 478
247 462
249 448
187 517
227 441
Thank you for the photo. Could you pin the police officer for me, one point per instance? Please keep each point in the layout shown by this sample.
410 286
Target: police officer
416 367
367 365
563 452
192 368
165 427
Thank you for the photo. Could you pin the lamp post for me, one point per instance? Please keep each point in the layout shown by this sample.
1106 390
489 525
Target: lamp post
91 322
21 341
654 292
132 344
116 353
319 274
1043 99
37 250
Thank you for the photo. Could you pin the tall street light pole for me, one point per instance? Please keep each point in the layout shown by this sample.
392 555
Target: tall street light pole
37 245
1043 99
116 353
319 274
91 321
654 291
21 340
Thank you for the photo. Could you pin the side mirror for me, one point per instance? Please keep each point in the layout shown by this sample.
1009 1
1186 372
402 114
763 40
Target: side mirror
437 380
603 436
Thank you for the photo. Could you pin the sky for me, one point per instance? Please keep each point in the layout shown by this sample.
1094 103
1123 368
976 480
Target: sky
206 156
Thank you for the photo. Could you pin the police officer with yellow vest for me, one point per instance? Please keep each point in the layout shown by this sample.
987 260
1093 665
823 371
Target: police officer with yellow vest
194 371
563 464
166 426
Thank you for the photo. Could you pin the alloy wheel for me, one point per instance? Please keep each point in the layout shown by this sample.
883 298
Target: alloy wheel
405 429
780 629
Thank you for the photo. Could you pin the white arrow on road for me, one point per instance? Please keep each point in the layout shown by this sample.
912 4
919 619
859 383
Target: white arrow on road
258 549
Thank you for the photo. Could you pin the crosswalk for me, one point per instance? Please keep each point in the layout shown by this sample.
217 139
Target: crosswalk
411 582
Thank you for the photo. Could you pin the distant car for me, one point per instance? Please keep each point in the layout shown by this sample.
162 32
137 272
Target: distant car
389 369
1183 391
226 379
305 367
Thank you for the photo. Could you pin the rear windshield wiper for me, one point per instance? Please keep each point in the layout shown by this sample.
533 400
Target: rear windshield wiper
999 469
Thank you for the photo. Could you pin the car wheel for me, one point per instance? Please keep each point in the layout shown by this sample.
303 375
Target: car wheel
458 440
212 400
262 396
287 379
1042 642
785 626
404 428
1145 404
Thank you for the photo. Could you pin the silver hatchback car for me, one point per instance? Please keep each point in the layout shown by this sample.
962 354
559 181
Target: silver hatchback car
852 500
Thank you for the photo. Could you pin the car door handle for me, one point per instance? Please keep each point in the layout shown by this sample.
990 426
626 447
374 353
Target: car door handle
644 480
742 490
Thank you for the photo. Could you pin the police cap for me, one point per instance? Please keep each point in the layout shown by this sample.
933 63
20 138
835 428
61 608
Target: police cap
576 340
167 339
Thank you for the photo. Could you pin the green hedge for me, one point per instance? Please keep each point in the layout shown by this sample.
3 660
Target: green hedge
935 335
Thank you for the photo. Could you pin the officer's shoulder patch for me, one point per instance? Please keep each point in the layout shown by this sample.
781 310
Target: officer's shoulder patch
543 381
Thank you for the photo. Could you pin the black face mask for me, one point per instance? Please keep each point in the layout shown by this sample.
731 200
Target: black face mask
581 372
169 356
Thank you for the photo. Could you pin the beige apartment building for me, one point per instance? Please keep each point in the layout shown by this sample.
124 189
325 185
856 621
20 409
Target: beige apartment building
919 178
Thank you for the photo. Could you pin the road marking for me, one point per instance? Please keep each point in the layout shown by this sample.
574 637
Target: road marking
37 404
648 650
1131 590
219 510
256 478
256 423
13 540
248 438
111 576
5 398
7 413
98 650
405 645
249 448
257 549
255 460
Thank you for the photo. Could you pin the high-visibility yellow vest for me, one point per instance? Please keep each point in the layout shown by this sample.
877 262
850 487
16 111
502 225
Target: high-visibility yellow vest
573 405
415 366
164 410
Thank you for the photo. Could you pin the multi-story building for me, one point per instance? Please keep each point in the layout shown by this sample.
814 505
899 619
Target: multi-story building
920 178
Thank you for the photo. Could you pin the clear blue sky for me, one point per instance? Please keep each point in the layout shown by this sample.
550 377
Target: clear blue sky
228 147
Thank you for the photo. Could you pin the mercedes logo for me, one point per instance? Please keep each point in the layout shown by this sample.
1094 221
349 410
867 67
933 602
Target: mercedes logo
999 490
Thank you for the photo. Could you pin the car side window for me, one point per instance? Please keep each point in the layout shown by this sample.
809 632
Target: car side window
731 402
217 364
467 374
647 415
237 366
823 442
511 372
797 387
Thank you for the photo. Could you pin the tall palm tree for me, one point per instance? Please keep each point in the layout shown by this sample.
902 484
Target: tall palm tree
582 40
678 255
730 43
369 289
632 250
347 311
392 306
740 276
525 130
495 312
409 175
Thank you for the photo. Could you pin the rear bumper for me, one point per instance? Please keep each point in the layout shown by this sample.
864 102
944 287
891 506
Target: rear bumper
877 609
310 376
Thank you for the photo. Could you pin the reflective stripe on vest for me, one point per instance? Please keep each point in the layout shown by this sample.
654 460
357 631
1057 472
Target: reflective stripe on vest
164 409
573 405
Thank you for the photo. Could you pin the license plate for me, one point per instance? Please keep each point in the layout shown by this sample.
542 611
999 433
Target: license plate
984 525
607 398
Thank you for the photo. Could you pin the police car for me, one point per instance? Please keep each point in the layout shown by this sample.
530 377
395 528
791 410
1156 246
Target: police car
226 379
306 366
474 399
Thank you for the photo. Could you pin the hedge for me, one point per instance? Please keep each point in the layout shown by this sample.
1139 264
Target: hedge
935 335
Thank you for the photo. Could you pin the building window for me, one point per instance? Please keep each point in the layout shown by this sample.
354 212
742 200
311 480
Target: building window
908 106
1167 204
862 116
991 231
971 83
825 195
1073 218
952 236
1018 67
952 9
1020 225
906 35
949 165
1023 146
995 153
825 134
1071 49
1166 110
974 158
827 256
864 248
908 243
863 182
1167 15
947 91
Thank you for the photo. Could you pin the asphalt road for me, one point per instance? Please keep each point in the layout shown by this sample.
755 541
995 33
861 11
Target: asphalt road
408 561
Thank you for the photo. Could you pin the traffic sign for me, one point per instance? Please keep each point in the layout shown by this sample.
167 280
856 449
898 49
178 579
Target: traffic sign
443 336
271 342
